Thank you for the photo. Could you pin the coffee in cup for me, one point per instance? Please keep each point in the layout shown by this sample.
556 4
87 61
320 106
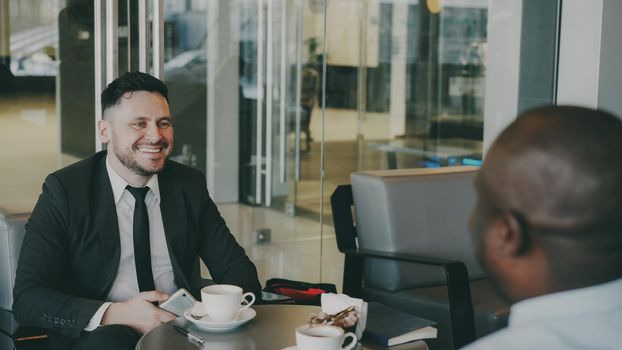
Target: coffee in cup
323 337
221 302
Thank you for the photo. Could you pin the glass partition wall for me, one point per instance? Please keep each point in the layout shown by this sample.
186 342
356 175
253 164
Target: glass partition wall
257 62
275 101
404 88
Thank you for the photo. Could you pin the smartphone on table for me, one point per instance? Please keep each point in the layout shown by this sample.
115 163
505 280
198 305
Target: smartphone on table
178 302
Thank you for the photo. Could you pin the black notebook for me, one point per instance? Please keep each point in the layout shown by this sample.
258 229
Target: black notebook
388 326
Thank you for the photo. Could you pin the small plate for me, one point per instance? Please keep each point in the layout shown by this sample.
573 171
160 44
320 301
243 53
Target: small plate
293 347
207 324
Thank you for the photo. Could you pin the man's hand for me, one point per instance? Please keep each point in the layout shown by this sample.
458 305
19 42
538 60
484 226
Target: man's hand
139 312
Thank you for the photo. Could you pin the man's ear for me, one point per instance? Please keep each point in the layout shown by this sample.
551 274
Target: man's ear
509 236
104 130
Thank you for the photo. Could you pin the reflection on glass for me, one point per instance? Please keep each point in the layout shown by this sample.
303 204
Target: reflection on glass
404 87
421 101
33 36
185 72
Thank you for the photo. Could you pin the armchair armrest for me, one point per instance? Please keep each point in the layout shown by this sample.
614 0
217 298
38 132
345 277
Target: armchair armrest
458 287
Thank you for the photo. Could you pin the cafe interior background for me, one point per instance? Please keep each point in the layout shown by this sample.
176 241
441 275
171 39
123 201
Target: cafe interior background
398 84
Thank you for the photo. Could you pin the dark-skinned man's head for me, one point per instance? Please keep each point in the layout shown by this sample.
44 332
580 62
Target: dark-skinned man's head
549 211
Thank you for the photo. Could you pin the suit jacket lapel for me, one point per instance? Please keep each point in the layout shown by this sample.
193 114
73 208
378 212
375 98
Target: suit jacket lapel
172 207
104 213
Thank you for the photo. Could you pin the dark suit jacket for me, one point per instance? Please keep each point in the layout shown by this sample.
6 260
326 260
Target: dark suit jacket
70 253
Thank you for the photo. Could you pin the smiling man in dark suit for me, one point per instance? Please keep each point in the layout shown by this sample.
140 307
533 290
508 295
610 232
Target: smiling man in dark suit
120 231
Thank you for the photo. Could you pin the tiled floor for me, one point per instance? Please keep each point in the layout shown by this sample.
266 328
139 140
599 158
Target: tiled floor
29 149
299 249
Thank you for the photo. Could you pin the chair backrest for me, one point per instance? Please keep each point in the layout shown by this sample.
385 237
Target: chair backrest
417 211
11 238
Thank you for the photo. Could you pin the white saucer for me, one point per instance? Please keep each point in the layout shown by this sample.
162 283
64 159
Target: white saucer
293 347
207 324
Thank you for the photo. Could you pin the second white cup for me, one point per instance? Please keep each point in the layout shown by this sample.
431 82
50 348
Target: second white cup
323 337
222 301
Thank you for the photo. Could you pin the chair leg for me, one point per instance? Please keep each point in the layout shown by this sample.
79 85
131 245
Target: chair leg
353 276
460 304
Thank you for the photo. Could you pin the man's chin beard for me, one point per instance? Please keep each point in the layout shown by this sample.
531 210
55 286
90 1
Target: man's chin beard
138 170
135 167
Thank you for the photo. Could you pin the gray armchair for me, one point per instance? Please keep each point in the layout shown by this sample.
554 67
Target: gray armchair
11 238
409 248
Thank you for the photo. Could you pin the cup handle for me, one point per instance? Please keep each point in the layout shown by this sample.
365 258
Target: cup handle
248 303
353 343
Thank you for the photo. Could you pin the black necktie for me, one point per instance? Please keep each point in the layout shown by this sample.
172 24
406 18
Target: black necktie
142 251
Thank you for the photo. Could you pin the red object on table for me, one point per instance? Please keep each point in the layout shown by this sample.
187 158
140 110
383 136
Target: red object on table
296 294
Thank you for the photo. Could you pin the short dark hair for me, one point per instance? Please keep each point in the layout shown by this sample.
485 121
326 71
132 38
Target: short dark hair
129 82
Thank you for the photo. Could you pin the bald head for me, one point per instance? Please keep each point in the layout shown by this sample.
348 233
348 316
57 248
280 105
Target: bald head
551 187
559 166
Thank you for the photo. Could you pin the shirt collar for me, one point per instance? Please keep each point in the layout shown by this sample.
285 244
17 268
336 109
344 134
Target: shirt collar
118 184
570 303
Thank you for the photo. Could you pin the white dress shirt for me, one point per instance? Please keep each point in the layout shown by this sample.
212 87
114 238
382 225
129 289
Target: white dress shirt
584 318
125 285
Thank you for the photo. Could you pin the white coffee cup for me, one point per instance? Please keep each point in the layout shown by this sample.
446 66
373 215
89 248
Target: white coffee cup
222 301
323 338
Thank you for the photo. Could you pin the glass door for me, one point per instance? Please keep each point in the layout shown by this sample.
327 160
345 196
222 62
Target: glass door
280 79
257 56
